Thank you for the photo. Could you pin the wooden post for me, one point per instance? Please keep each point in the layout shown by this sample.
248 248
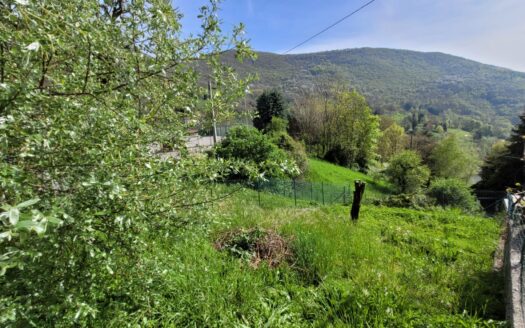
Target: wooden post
213 118
295 193
358 196
523 160
322 191
259 192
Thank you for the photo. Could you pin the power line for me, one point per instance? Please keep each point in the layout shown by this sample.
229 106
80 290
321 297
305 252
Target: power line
329 27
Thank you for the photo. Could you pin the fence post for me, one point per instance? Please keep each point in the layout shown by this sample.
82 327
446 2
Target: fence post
259 193
211 196
344 195
322 191
294 193
358 195
311 191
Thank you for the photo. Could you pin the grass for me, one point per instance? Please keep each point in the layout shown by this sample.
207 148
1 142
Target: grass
321 171
393 268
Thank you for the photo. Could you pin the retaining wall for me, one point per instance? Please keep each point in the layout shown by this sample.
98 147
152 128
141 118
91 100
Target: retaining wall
514 278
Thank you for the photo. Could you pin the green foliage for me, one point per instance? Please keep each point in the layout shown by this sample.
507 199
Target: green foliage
263 158
295 149
453 193
321 171
354 130
415 201
406 268
337 125
406 172
396 80
17 225
86 89
503 167
454 159
277 125
269 104
393 141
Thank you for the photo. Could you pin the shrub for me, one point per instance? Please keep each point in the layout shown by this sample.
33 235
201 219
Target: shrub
407 173
453 193
277 125
295 149
416 201
86 88
257 151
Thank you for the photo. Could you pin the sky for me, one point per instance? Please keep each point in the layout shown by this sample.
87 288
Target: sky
488 31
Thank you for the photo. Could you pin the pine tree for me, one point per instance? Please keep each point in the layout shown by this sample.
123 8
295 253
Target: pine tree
270 104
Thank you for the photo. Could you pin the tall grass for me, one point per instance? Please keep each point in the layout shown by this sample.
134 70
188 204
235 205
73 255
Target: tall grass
321 171
393 268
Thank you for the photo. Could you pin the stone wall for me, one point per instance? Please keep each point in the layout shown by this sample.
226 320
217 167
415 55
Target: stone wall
514 278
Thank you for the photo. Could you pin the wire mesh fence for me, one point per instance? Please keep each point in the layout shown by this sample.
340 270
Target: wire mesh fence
313 193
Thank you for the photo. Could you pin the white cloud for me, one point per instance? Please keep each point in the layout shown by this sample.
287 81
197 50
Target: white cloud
484 30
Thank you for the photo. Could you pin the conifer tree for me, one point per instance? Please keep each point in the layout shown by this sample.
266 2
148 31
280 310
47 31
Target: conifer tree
504 167
270 104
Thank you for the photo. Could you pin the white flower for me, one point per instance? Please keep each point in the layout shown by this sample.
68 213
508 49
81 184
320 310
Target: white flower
22 2
33 46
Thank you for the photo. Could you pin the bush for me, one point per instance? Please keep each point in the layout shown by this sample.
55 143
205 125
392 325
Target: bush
260 155
407 173
83 98
295 149
415 201
453 193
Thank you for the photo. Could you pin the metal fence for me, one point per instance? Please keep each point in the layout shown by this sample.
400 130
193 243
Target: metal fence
313 192
514 259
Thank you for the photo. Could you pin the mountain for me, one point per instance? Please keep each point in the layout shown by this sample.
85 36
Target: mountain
395 81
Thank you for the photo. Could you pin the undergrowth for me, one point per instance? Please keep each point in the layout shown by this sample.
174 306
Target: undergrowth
393 268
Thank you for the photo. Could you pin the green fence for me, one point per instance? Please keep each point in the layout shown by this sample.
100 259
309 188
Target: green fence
314 192
306 192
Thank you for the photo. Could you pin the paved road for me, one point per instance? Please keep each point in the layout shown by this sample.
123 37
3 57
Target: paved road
199 143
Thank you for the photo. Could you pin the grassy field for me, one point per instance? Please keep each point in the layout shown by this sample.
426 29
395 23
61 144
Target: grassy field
393 268
321 171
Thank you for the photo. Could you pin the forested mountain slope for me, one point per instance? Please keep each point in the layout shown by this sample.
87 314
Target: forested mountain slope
397 80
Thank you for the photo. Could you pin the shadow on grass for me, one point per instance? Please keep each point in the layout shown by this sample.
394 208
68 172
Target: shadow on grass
483 295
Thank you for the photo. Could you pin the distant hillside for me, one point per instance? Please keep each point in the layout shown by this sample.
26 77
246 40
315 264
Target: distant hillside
396 80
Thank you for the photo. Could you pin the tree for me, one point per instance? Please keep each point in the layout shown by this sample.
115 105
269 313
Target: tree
87 88
269 104
352 130
392 141
337 125
454 193
407 173
504 166
452 158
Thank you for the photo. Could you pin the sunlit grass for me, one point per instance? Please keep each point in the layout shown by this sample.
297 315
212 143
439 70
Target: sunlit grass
321 171
392 268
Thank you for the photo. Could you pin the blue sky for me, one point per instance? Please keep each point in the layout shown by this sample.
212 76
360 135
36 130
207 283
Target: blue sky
489 31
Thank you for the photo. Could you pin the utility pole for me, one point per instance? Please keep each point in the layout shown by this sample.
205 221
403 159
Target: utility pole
523 160
213 119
